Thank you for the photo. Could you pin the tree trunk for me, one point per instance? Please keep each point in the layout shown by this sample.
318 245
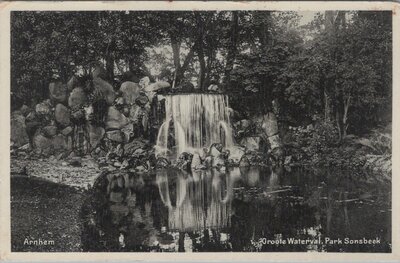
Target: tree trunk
200 54
231 56
180 71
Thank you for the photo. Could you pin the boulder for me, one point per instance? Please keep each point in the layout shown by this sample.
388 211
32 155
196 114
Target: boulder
251 143
95 135
43 108
48 146
115 136
77 98
196 162
130 92
144 82
216 150
67 131
218 161
104 88
115 119
60 143
72 83
275 141
62 115
18 130
49 131
58 92
159 85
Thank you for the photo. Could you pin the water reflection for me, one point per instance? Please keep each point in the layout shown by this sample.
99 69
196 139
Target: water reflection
213 211
203 199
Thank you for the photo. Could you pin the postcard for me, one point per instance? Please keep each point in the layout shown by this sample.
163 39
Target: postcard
209 131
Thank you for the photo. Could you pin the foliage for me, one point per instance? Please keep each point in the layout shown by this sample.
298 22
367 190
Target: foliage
337 67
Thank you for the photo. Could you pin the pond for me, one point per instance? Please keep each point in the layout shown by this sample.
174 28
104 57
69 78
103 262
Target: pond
242 209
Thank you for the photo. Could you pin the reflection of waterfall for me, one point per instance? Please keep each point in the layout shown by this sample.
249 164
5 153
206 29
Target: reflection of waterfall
201 203
198 121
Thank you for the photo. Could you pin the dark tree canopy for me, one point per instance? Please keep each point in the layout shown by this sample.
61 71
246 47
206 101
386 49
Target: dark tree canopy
338 66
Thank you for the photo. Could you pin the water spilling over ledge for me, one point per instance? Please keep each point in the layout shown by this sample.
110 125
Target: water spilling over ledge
196 121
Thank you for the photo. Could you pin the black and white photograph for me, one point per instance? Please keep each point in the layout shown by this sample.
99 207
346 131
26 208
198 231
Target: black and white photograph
201 130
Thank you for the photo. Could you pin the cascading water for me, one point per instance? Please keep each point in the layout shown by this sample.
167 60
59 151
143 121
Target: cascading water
199 120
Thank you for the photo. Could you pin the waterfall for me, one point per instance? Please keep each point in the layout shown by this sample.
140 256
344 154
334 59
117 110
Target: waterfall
199 120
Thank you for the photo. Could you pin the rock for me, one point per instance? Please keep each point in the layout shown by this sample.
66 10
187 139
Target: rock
58 92
144 82
115 119
72 83
130 92
208 161
18 130
77 98
43 108
275 141
62 115
142 100
213 87
115 136
251 143
48 146
159 85
60 143
162 163
270 124
67 131
25 110
244 162
196 162
105 88
95 135
218 161
76 161
117 164
49 131
119 102
131 147
215 150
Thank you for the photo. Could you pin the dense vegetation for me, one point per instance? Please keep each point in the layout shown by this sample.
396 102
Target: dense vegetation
336 68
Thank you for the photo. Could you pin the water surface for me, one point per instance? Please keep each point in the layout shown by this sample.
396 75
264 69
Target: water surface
242 209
